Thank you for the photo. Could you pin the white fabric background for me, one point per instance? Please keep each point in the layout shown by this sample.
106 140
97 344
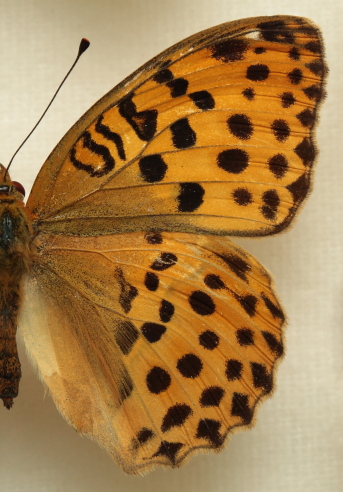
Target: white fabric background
297 442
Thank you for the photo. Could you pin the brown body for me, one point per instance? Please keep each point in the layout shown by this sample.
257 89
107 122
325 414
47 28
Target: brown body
15 239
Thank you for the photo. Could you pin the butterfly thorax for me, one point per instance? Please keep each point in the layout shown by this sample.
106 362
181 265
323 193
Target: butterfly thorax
15 240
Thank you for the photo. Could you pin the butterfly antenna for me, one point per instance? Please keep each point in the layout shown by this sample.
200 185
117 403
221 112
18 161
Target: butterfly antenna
84 44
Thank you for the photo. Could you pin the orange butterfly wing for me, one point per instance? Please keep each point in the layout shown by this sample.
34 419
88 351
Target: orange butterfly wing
215 135
154 341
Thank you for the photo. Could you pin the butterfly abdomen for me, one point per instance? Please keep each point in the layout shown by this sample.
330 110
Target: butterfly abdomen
15 239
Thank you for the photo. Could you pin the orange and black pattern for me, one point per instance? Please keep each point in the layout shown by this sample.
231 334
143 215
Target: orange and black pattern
163 335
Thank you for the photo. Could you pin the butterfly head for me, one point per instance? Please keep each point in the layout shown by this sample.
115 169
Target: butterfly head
9 187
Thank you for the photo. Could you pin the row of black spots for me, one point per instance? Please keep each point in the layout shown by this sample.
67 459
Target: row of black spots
153 331
99 150
178 87
246 338
127 291
144 123
158 379
236 264
260 376
271 202
281 130
126 335
114 137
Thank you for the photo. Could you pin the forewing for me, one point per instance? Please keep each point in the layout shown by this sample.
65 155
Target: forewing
214 135
156 346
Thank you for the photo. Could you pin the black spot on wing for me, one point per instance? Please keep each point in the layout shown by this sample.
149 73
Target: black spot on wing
178 87
176 416
230 51
233 161
212 396
151 281
261 378
209 340
203 100
152 168
166 311
209 429
276 31
190 197
153 331
189 365
169 450
240 407
158 380
183 136
306 151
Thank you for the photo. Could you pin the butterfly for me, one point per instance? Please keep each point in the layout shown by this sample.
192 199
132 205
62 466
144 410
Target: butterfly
155 334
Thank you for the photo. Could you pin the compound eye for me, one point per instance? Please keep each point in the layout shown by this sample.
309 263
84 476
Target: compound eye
19 187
